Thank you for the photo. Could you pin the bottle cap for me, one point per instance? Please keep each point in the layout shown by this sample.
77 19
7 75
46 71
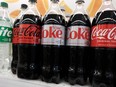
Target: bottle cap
80 1
24 6
33 1
55 1
4 4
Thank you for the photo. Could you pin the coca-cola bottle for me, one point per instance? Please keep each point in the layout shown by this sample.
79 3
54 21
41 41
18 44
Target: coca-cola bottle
103 43
15 40
53 41
78 45
29 49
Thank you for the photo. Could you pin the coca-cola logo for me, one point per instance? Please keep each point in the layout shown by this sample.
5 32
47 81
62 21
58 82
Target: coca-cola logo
52 32
16 31
78 33
104 32
27 30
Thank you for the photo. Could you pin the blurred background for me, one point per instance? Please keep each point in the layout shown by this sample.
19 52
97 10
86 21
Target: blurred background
90 5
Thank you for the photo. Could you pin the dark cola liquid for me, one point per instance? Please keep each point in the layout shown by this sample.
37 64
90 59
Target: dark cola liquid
52 55
78 56
15 51
104 58
29 62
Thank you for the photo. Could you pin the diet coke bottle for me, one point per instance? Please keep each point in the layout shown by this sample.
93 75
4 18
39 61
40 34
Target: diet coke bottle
78 42
53 41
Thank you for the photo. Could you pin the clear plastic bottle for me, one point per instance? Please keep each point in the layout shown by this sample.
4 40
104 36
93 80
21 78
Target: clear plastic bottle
15 40
103 43
5 39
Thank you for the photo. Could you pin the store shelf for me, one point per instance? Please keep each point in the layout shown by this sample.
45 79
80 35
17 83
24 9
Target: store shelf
10 80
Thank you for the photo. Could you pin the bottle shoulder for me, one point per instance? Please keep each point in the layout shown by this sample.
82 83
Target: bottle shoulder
30 19
79 20
54 19
105 17
5 22
32 11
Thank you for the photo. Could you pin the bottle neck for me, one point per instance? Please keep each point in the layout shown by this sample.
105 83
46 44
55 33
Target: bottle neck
54 5
21 13
23 10
32 9
79 6
107 2
5 12
5 15
32 5
79 9
54 9
107 5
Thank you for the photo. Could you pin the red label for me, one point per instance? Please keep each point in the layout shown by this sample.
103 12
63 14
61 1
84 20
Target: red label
27 34
104 35
15 35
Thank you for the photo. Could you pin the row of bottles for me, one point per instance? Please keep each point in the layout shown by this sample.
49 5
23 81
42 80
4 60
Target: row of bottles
54 49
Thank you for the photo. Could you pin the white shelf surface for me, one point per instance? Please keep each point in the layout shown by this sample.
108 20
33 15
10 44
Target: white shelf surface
10 80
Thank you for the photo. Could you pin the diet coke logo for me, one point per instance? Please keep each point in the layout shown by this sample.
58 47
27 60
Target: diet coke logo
78 36
78 33
101 32
53 35
52 32
30 31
